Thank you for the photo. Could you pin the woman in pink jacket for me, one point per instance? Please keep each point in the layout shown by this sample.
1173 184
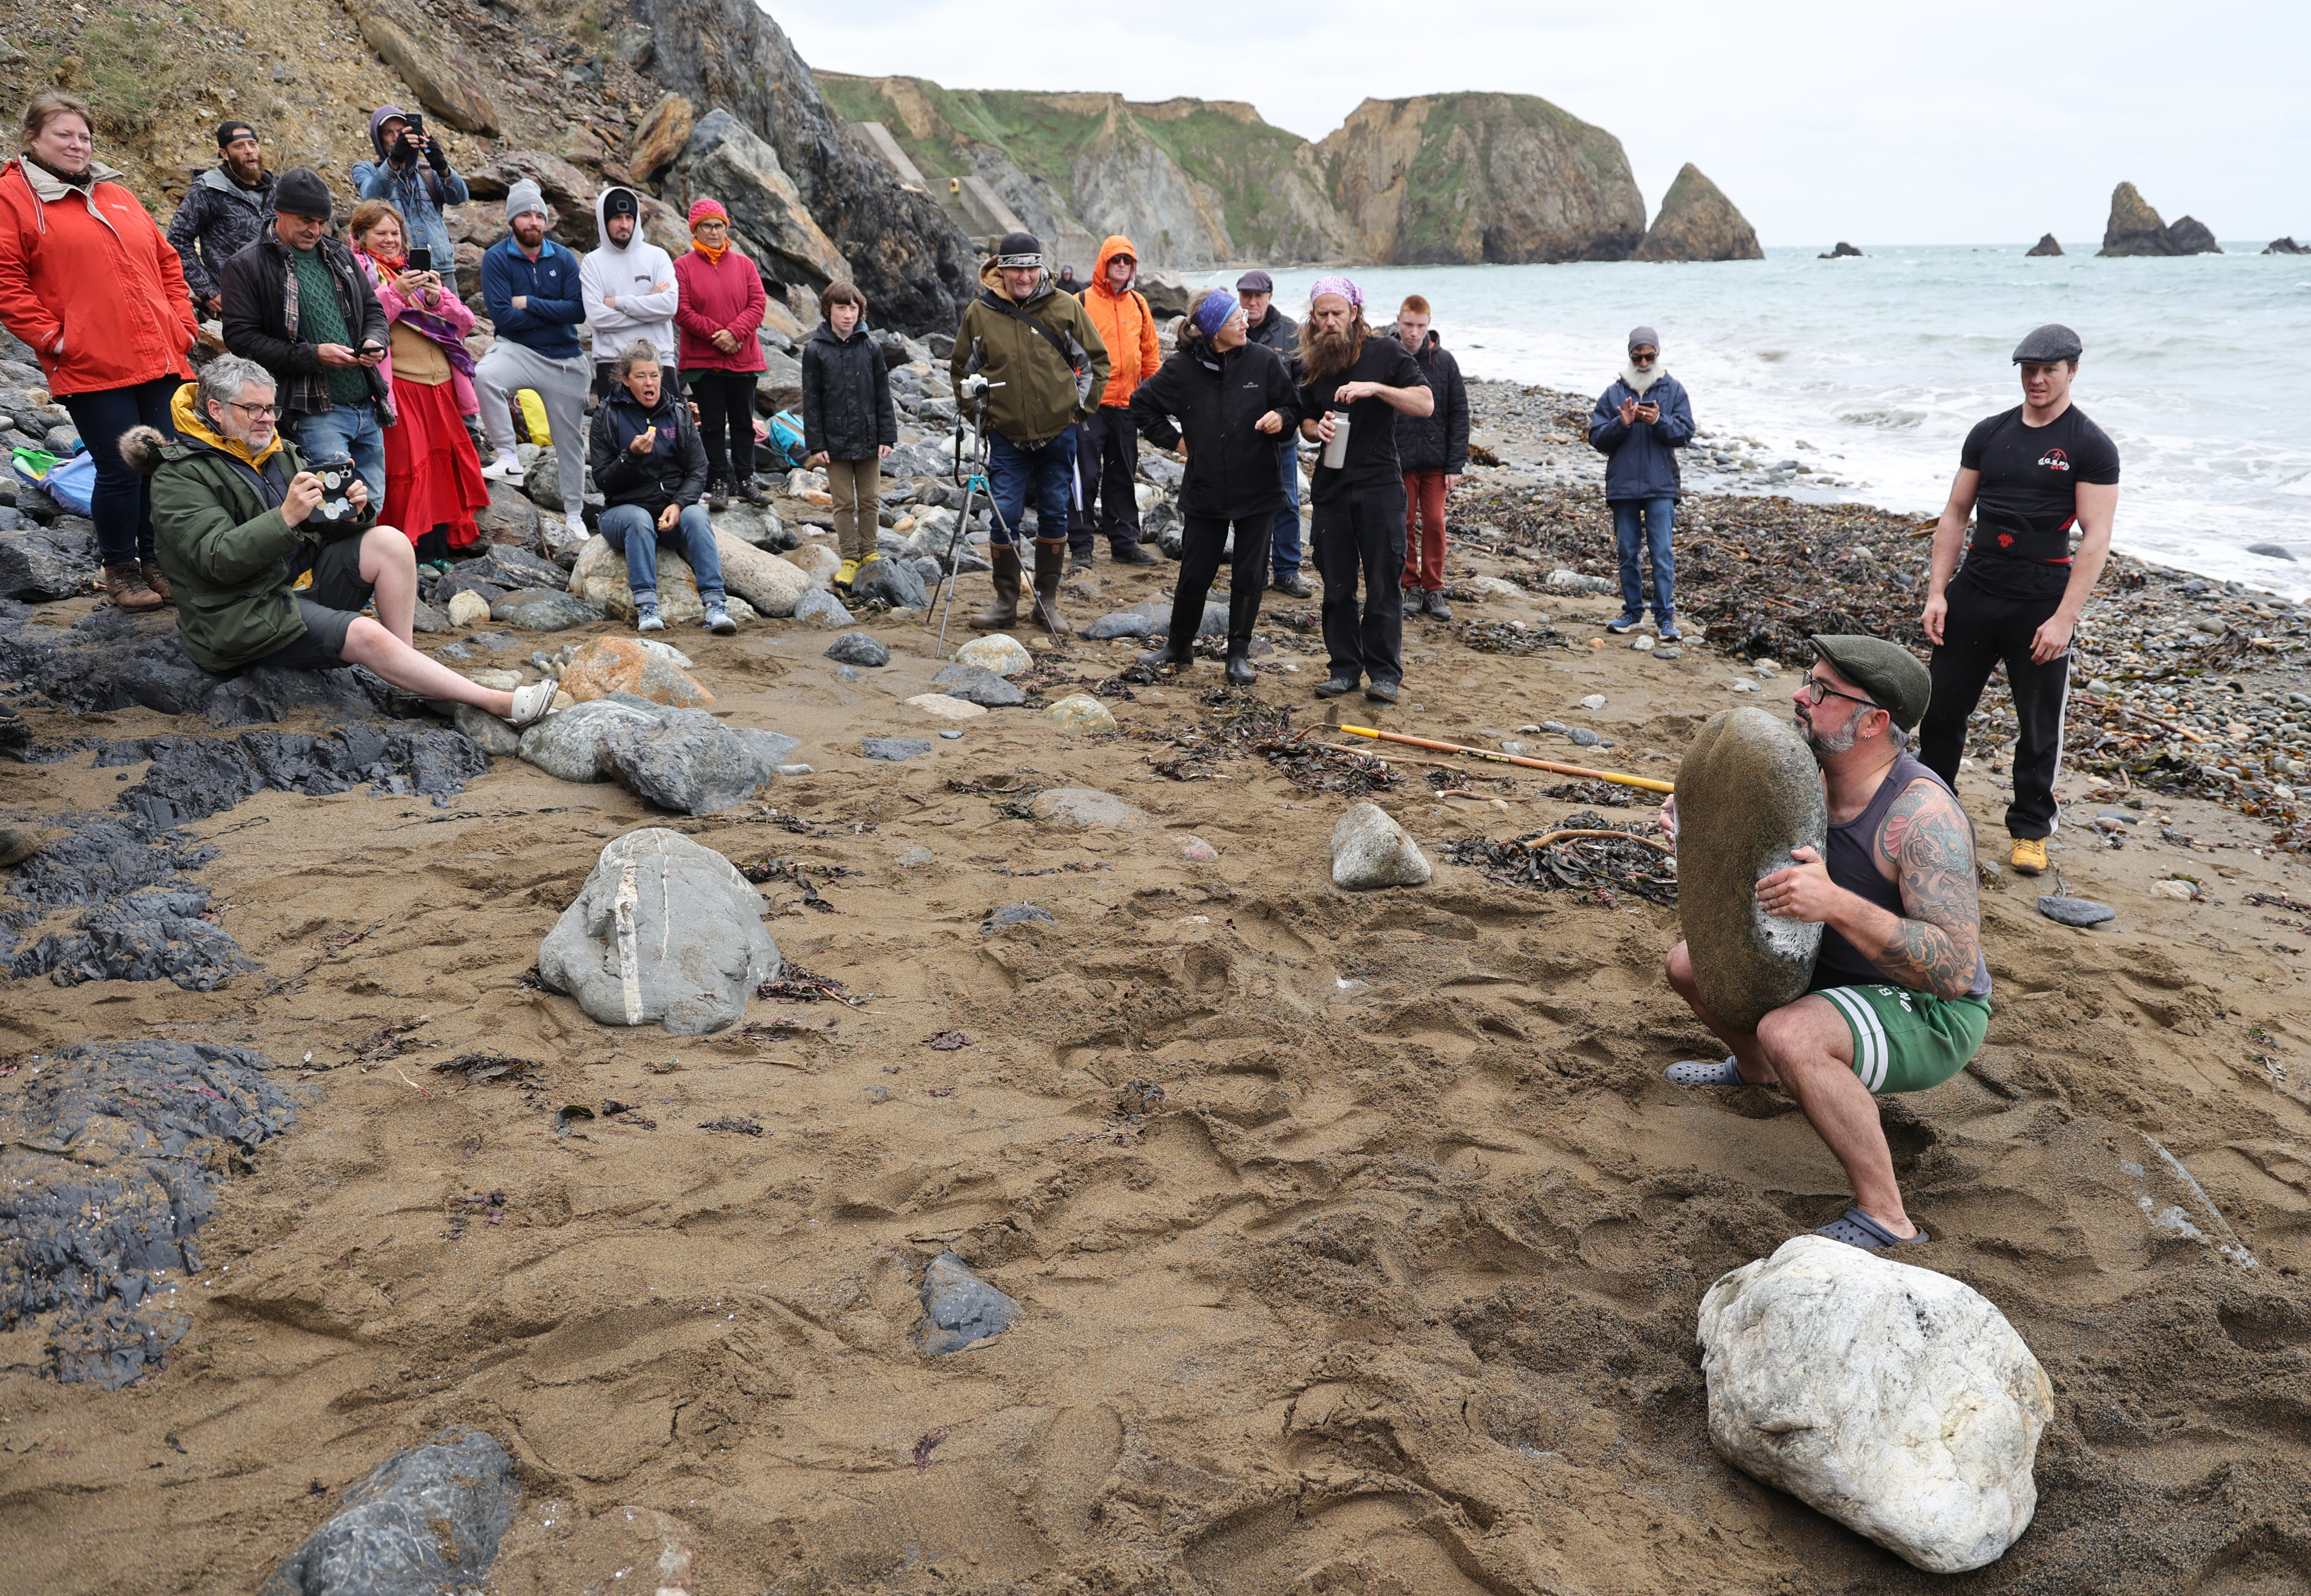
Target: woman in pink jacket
722 303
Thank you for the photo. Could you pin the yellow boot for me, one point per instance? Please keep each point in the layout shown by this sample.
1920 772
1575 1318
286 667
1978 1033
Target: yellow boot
2029 855
845 573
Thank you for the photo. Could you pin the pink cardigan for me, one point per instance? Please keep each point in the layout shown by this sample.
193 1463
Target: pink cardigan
452 309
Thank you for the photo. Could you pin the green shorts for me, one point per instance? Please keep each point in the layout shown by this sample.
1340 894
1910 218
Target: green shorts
1905 1040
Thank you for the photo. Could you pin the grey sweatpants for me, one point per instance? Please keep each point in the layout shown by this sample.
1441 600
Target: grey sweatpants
562 384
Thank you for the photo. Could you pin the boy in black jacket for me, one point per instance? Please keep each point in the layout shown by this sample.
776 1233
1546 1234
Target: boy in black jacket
848 427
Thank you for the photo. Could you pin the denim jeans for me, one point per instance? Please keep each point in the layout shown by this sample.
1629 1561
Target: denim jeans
1286 536
633 531
1645 523
1049 470
121 504
350 432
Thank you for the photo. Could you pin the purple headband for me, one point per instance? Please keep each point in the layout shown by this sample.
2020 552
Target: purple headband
1337 285
1212 314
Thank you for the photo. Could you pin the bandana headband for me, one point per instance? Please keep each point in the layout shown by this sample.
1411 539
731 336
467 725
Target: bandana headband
1341 286
1212 314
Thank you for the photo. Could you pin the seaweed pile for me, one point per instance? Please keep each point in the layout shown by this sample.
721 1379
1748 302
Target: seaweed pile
1587 854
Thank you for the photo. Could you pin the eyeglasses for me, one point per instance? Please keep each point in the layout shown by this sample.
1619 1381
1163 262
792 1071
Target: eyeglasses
257 413
711 227
1817 689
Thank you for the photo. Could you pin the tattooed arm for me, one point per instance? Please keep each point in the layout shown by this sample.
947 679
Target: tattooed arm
1934 944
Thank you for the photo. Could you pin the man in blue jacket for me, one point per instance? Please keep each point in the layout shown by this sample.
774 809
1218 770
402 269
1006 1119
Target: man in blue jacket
536 302
1638 424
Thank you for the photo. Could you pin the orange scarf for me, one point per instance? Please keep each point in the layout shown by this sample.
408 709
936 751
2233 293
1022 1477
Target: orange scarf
713 256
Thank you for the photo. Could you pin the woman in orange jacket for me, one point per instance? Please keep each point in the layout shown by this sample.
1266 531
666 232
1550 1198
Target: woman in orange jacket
1107 445
94 287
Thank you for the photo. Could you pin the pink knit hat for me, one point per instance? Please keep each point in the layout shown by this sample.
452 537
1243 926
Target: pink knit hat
706 207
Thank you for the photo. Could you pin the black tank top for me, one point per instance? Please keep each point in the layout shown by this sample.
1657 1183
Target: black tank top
1852 861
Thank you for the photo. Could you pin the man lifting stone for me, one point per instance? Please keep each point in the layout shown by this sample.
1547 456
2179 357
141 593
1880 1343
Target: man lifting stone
1900 995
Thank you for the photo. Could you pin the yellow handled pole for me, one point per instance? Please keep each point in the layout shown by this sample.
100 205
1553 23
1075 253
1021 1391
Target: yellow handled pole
1619 778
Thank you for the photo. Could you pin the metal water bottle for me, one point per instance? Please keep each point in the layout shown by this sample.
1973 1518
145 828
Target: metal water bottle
1336 453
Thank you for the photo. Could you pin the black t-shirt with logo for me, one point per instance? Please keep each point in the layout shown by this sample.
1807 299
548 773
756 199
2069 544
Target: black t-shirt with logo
1372 459
2029 498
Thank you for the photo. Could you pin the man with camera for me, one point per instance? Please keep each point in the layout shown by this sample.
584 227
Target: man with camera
298 304
223 215
1027 361
412 174
240 517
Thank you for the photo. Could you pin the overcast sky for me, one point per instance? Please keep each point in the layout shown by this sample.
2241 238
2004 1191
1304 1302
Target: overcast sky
1963 122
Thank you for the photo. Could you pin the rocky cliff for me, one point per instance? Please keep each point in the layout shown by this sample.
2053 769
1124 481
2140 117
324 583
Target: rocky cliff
1698 223
2135 229
1471 178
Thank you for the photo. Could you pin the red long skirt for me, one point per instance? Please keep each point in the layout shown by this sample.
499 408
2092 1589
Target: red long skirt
431 477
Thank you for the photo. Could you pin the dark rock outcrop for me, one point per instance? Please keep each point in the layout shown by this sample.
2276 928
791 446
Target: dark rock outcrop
2191 236
912 261
443 83
426 1520
725 160
1841 250
2135 229
1698 223
2044 246
2286 246
1462 179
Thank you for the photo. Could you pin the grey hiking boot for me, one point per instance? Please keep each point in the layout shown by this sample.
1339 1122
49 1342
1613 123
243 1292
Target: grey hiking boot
646 616
717 619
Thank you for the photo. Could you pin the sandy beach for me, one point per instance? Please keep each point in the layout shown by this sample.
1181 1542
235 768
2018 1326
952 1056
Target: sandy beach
1357 1238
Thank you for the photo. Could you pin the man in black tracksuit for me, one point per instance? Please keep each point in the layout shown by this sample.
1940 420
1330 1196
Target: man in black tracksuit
2031 475
1270 327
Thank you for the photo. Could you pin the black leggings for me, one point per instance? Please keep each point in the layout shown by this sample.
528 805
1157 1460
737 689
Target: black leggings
726 410
1199 561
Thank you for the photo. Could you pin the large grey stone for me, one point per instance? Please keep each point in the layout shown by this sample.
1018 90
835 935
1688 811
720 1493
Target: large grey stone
567 745
685 761
511 517
959 1308
424 1521
770 747
725 158
1123 623
999 653
896 749
893 581
822 608
533 610
983 688
857 648
1897 1400
486 731
2076 911
1214 624
1371 850
51 562
1748 793
1080 808
663 932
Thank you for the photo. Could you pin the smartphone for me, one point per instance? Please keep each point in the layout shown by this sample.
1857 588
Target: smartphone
416 122
420 260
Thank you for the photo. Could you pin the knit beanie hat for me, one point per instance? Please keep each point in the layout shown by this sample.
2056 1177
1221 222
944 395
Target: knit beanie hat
301 192
524 197
700 209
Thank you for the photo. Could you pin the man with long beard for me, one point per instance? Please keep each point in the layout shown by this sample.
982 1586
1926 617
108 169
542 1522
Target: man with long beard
1900 996
1360 382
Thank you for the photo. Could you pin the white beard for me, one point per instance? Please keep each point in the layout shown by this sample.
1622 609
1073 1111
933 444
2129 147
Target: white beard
1640 380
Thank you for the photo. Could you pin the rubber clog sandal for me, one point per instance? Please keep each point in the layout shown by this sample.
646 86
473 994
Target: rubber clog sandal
1722 1072
1858 1229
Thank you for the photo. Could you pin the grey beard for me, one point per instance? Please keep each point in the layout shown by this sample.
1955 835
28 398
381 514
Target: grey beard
1834 743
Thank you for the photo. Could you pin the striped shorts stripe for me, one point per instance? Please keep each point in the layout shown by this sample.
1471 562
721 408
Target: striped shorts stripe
1905 1040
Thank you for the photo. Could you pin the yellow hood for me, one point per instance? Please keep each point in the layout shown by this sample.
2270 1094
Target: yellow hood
184 412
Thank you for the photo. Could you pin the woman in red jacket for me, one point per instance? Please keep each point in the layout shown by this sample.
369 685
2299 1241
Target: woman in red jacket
93 286
721 304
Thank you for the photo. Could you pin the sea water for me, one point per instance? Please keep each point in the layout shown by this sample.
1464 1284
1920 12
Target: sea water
2199 367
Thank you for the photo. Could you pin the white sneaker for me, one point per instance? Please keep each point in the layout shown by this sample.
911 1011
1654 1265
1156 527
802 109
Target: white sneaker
531 703
576 522
718 621
647 619
505 468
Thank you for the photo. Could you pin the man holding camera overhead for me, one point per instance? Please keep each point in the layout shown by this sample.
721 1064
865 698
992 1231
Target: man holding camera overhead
298 304
412 174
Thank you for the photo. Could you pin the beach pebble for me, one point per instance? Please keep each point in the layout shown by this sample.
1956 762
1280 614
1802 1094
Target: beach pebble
819 607
1082 808
976 686
2076 911
857 648
467 609
1123 623
1741 684
685 761
1195 850
1642 645
1583 737
486 730
497 681
796 769
1894 1400
1080 712
914 857
1748 793
1668 651
892 749
1573 582
959 1308
568 745
1494 588
1016 913
997 651
1593 701
2180 891
1371 850
425 1519
664 931
946 708
601 666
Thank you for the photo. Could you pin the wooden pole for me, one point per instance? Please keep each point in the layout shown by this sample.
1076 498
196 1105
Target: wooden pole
1619 777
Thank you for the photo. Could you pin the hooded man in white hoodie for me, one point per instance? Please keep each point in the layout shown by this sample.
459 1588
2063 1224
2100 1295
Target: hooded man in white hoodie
628 284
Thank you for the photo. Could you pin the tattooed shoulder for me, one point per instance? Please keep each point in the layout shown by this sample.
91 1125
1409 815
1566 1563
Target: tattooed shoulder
1924 812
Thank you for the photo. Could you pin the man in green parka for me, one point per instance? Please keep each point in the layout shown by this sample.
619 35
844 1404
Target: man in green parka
268 569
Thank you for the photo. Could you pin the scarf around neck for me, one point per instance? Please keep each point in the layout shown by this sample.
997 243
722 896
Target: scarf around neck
713 256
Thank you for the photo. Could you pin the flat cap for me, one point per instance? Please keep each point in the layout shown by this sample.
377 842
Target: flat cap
1255 281
1896 679
2048 344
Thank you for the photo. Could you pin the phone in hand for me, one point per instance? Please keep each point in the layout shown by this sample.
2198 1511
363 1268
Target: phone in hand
417 122
420 260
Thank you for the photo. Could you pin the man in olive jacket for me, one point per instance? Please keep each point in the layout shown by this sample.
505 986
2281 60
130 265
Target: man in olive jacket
1045 366
238 520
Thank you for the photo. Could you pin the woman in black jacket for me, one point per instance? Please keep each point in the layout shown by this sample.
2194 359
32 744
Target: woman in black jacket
848 425
1229 400
649 463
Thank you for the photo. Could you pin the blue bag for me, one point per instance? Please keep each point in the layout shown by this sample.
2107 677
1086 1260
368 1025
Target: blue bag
72 484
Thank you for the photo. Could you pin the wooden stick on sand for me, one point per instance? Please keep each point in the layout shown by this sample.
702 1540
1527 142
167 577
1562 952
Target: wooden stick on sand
1619 778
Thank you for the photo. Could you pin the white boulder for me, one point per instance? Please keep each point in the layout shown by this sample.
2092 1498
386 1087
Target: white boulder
1897 1400
1370 850
998 651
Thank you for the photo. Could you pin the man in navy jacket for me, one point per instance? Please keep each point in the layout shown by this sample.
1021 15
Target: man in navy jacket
536 302
1639 423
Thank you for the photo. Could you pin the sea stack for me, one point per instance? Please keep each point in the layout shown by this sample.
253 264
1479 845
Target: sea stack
2135 229
1841 250
2191 236
1698 223
2286 246
2044 246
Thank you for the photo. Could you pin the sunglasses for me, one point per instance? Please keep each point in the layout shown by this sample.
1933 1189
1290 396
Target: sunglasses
1817 689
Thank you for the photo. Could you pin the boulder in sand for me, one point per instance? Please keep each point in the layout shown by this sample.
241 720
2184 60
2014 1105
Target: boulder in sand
567 745
1080 712
2076 911
1123 623
819 607
1897 1400
486 731
509 516
1369 850
1748 793
771 583
893 750
977 686
536 611
599 578
50 562
425 1520
664 931
685 760
605 665
944 708
893 581
467 609
998 651
1080 808
857 648
959 1308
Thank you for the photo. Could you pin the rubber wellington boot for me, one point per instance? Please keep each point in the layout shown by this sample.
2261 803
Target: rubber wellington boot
1051 565
1003 615
1240 672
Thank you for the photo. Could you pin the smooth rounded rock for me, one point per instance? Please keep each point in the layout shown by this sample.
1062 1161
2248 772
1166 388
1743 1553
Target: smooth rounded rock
467 609
1371 850
1083 808
819 607
998 651
1080 712
857 648
1123 623
976 686
2076 911
602 666
568 745
1748 793
534 610
944 708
